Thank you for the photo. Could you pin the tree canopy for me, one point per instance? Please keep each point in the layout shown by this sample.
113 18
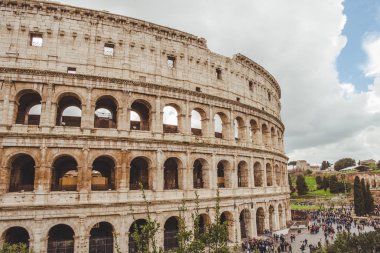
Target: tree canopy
344 163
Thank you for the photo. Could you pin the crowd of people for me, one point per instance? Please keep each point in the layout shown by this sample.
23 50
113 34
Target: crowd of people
326 221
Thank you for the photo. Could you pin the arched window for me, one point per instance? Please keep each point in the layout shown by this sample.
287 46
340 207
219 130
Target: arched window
239 129
254 130
16 236
140 115
171 174
269 175
224 177
228 219
101 238
258 174
221 126
200 174
170 119
139 174
196 122
265 135
136 228
260 221
105 113
61 239
281 216
22 175
203 223
64 174
103 174
242 174
278 175
29 109
271 218
69 111
170 234
245 223
273 137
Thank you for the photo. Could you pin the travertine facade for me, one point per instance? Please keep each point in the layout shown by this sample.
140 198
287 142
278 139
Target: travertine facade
82 124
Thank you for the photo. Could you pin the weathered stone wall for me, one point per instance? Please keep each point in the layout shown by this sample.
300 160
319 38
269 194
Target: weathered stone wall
138 71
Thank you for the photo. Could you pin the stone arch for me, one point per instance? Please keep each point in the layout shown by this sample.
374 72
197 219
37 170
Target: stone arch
221 125
279 139
105 115
278 173
254 131
22 173
140 173
224 174
136 227
201 174
101 237
273 137
103 174
245 224
140 116
228 218
198 124
260 220
239 129
203 223
271 218
69 110
28 107
171 228
64 173
258 174
172 167
171 118
61 239
16 235
242 173
268 169
265 133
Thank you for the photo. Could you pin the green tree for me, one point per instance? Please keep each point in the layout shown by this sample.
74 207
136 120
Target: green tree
302 188
325 183
369 201
15 248
291 187
325 165
334 188
358 198
344 163
319 181
378 164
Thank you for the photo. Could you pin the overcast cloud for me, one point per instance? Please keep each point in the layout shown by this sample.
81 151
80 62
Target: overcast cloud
298 41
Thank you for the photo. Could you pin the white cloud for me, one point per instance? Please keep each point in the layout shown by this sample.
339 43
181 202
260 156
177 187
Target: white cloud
298 42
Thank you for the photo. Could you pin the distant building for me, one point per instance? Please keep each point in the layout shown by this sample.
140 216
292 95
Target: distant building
302 165
367 162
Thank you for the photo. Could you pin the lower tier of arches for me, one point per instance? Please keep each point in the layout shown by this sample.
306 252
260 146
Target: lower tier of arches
101 229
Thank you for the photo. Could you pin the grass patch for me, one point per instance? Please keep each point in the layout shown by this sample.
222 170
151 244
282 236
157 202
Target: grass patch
320 193
311 183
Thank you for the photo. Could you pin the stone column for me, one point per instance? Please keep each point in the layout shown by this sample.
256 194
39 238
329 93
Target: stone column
123 175
47 118
38 242
253 221
231 128
187 120
236 221
213 176
251 176
266 217
84 173
7 111
210 124
122 119
265 173
158 183
87 120
157 124
234 173
276 218
4 179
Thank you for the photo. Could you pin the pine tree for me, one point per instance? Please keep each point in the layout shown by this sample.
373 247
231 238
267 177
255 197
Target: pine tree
319 181
325 183
369 201
358 197
334 184
302 188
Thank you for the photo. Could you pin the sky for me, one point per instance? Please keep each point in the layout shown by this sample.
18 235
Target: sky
325 54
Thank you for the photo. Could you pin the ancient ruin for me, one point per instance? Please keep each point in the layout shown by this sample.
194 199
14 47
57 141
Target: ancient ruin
92 104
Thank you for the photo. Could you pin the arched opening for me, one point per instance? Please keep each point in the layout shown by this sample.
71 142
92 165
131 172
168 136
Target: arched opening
258 174
260 221
139 174
16 236
279 140
271 218
64 174
245 221
105 112
254 130
22 175
171 174
69 112
197 115
103 174
220 126
227 218
278 175
265 135
170 119
61 239
29 109
200 174
269 175
101 238
203 223
273 137
170 233
239 129
242 174
140 115
136 230
223 174
281 216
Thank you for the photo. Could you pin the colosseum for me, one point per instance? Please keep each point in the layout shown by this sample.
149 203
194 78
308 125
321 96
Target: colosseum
94 105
